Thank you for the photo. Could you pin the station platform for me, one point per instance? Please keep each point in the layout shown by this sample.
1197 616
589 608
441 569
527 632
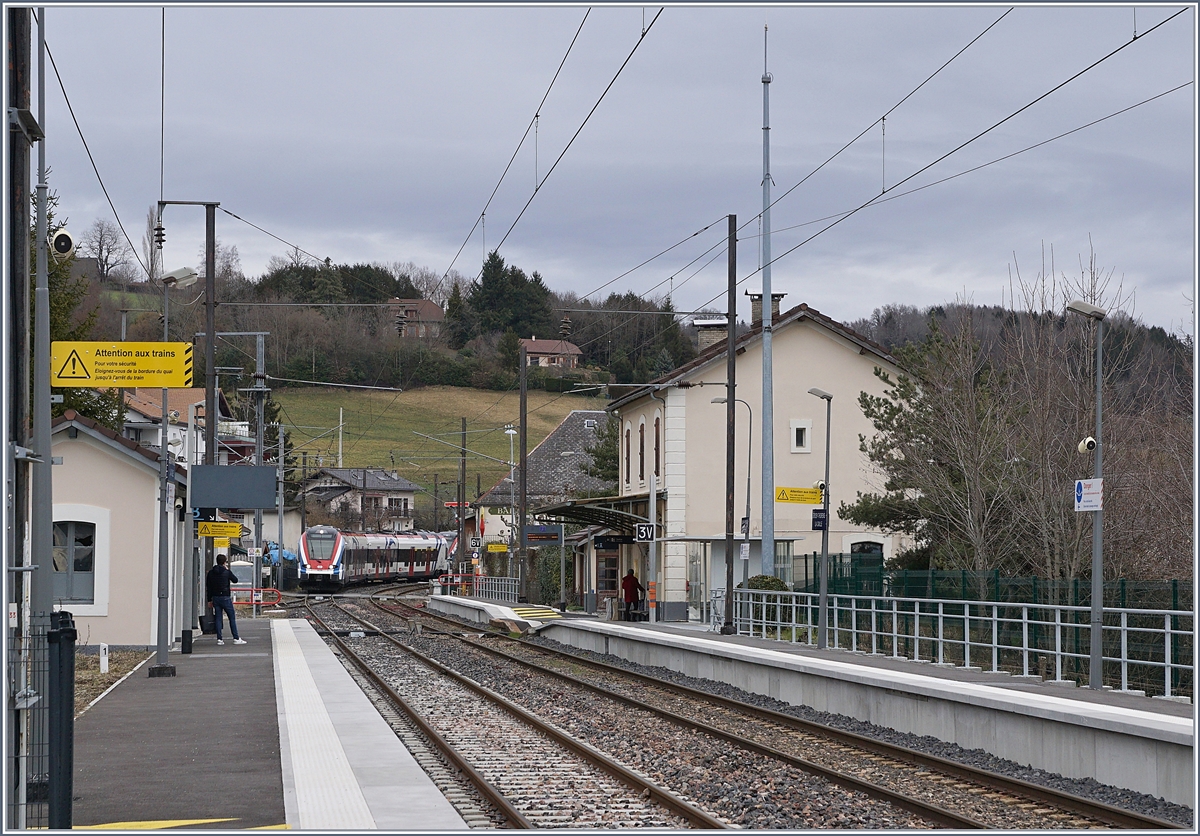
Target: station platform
1120 739
272 734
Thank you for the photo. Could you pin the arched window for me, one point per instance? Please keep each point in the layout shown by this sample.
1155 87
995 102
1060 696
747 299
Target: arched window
642 452
627 446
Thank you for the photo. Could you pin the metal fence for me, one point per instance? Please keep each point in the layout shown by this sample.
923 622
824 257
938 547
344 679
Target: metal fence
480 586
40 724
1143 650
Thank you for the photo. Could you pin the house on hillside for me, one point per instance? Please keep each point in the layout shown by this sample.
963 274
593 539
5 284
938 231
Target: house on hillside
369 498
557 472
552 354
421 317
673 435
106 535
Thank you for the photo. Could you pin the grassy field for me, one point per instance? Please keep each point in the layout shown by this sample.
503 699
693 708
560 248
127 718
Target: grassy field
381 429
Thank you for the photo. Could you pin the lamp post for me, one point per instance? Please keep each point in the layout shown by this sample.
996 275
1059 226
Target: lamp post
511 432
1096 663
749 459
183 277
823 594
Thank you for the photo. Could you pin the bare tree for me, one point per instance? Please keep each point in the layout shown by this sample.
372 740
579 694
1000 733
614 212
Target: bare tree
152 255
105 242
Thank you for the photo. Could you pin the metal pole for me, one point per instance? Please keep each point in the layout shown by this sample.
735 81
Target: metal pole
61 640
279 543
189 549
211 410
461 494
749 462
340 423
730 418
562 570
160 666
823 603
522 545
654 563
1096 663
259 383
768 307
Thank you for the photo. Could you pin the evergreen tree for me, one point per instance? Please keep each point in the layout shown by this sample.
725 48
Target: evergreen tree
459 321
509 349
605 453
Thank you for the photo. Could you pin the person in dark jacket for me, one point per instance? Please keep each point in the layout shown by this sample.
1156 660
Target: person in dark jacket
220 598
630 587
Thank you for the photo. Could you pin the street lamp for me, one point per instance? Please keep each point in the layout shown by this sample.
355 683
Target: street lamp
183 277
823 595
749 459
1096 663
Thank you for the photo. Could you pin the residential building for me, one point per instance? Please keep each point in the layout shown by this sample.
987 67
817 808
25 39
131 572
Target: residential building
552 354
422 318
673 436
557 472
185 416
106 535
371 498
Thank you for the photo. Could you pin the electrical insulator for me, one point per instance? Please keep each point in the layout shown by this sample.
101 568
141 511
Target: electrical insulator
564 327
160 236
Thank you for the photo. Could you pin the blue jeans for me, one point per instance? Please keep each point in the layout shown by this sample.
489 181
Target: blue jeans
224 602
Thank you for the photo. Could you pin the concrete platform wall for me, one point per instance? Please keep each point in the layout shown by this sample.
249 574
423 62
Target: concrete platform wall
1153 756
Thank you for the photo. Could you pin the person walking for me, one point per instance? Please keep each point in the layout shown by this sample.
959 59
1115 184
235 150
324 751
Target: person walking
630 587
216 586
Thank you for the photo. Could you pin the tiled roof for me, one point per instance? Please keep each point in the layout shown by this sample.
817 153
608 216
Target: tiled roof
553 475
149 401
551 347
371 479
95 428
717 350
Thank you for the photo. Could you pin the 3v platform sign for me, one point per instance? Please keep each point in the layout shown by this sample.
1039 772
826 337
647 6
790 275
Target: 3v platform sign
101 365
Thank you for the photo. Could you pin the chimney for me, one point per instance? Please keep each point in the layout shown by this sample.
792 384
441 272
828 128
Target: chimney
710 331
775 299
755 307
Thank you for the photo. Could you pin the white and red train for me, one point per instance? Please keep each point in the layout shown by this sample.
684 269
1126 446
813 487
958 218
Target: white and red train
330 559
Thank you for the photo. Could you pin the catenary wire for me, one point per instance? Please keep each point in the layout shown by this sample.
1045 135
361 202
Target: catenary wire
557 160
524 136
92 160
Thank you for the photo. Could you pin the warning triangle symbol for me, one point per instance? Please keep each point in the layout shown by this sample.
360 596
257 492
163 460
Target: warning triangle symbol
782 495
73 368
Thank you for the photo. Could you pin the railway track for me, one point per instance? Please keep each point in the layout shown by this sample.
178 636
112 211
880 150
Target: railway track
987 799
529 771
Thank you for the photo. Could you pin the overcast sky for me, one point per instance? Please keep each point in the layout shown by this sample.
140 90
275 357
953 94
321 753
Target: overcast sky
377 135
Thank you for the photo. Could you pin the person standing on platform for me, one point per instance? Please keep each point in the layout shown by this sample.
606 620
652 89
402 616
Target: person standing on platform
221 598
630 587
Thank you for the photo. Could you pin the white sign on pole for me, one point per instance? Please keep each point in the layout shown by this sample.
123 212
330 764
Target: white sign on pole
253 553
745 551
1089 495
103 657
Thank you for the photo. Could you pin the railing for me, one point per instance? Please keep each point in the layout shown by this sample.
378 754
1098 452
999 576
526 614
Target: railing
480 586
1144 650
244 596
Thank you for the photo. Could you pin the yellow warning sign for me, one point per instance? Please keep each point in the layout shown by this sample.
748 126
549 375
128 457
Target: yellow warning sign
218 529
801 496
220 542
95 364
497 547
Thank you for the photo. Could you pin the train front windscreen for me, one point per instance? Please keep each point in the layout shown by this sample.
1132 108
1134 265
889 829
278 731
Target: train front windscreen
320 546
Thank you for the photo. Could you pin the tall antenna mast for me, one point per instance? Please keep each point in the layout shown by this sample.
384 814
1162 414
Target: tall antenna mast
768 307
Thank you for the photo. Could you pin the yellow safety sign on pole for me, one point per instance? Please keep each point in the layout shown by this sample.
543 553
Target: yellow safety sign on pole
100 365
218 529
497 547
800 496
220 542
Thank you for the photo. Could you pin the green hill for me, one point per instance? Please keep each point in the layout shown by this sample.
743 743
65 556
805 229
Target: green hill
380 430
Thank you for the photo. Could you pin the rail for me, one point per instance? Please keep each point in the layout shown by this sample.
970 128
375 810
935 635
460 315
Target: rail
1149 649
480 586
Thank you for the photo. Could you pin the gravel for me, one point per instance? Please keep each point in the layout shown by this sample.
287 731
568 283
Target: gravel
1084 787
